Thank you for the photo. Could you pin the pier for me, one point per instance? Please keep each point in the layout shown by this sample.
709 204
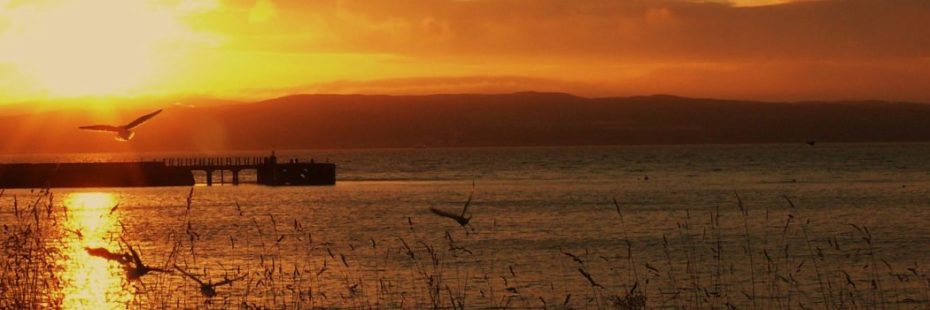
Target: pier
268 170
166 172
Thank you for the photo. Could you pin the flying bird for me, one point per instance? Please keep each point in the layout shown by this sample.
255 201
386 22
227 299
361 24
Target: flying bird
459 218
106 254
136 269
131 261
123 133
207 288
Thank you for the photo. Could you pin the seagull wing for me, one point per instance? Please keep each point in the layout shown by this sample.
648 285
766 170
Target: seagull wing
106 128
185 273
102 253
135 255
468 202
444 213
142 119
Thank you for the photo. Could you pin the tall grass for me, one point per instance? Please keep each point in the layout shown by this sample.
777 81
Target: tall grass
30 252
729 257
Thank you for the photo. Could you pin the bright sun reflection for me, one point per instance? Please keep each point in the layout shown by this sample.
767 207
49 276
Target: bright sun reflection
91 282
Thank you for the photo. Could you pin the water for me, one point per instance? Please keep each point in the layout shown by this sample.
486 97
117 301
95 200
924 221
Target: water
343 246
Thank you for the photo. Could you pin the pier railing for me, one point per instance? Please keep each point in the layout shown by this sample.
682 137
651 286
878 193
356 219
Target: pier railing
219 162
269 170
176 171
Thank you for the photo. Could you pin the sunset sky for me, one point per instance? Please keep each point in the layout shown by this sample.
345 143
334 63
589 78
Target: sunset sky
255 49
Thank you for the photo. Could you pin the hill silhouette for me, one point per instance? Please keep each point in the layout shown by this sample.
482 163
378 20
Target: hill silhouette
459 120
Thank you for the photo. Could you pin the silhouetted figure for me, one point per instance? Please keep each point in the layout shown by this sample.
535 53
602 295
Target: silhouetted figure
123 133
459 218
811 142
206 288
273 159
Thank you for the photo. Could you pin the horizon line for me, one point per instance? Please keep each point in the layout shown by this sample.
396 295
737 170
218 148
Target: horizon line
147 101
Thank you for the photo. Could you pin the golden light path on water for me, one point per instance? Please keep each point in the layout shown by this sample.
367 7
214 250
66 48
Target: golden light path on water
91 282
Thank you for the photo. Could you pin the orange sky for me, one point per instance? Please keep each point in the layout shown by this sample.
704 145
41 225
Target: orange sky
250 49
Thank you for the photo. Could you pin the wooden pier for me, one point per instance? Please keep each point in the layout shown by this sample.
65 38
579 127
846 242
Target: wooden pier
166 172
268 170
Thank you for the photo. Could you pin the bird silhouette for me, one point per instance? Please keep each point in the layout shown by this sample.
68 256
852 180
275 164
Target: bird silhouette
208 288
136 269
131 261
121 258
459 218
123 133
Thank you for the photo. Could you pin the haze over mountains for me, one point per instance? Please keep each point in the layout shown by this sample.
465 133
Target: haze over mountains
462 120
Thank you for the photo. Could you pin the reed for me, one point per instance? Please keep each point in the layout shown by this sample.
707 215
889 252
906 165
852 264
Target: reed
721 261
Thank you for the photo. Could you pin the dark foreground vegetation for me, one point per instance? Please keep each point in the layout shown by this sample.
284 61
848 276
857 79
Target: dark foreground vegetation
725 257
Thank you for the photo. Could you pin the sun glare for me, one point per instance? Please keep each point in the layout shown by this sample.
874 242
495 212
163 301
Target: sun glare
91 207
91 282
97 47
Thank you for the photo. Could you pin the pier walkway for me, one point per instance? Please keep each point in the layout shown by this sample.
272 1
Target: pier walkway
268 170
165 172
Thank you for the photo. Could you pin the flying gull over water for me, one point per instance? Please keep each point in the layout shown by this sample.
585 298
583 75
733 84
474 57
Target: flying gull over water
459 218
131 261
208 288
123 133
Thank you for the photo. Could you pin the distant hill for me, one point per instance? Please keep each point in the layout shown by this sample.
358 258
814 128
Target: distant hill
519 119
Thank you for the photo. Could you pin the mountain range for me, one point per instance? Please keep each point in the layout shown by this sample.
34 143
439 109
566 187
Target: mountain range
467 120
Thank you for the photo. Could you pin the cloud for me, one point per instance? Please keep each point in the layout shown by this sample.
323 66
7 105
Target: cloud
635 30
452 84
747 49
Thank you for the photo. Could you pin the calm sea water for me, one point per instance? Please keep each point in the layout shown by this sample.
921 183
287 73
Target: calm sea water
343 246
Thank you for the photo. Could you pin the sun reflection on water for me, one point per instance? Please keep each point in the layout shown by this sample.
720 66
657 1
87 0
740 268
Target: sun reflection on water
91 282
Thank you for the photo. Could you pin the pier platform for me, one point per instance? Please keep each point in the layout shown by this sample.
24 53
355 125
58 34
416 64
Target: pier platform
167 172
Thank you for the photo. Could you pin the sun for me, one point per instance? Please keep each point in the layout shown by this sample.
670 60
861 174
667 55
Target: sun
88 47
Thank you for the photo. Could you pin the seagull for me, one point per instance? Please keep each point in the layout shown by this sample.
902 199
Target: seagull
131 262
106 254
206 288
139 269
123 133
459 218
